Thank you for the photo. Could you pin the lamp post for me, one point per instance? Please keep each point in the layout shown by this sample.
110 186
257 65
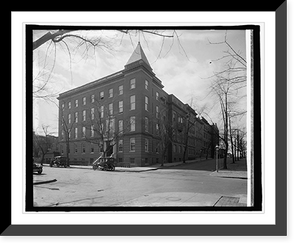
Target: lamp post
217 152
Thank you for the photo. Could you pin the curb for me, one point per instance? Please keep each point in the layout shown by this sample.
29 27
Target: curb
236 175
136 171
44 182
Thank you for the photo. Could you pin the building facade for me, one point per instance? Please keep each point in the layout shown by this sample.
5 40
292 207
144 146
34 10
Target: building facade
127 115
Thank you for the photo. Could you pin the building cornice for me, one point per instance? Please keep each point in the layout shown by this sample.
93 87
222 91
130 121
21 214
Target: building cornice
99 82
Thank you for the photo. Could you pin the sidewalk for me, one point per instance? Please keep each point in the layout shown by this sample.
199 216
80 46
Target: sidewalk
236 170
187 199
135 169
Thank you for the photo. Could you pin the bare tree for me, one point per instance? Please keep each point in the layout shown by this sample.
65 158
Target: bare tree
189 123
42 142
165 131
67 124
226 86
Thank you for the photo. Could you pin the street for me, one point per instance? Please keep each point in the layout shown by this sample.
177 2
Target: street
192 184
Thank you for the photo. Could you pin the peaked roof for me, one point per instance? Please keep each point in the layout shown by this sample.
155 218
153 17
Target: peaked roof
138 54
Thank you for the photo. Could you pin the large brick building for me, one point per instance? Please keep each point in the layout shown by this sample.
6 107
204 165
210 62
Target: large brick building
129 115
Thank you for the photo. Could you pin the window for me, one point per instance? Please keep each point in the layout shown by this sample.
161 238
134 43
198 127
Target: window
146 145
83 131
92 151
132 144
102 111
146 84
63 106
76 132
110 109
83 115
132 102
83 148
157 148
132 123
156 95
132 160
92 98
132 83
101 95
174 116
69 117
92 131
121 90
76 117
84 100
157 128
157 111
111 93
146 103
146 124
121 106
146 161
120 126
76 102
110 126
92 113
70 105
120 146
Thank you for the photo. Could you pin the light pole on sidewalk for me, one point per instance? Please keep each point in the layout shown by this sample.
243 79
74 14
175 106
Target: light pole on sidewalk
217 152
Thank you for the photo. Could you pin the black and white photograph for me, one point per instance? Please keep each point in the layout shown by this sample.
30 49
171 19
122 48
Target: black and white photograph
143 117
148 123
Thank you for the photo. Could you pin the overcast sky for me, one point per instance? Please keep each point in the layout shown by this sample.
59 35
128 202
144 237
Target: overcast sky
183 64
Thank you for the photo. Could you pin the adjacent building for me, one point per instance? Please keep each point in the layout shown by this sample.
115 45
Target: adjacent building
128 115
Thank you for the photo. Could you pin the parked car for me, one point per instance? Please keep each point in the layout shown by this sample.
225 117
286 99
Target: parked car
59 161
37 168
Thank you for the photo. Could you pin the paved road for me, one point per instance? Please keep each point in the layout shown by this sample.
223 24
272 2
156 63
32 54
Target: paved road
187 185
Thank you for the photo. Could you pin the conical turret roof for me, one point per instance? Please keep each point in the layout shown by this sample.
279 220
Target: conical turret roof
138 54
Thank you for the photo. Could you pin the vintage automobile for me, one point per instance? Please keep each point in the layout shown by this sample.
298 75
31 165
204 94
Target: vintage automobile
37 168
104 163
59 161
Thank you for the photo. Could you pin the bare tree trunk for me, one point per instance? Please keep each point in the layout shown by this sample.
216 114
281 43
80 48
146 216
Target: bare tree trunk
231 141
163 155
68 151
225 115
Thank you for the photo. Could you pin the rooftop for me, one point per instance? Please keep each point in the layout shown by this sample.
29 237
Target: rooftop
138 54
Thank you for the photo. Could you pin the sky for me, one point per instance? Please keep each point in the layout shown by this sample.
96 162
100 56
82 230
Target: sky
184 64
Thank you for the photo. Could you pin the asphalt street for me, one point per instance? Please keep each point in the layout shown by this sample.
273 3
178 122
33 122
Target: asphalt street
193 184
